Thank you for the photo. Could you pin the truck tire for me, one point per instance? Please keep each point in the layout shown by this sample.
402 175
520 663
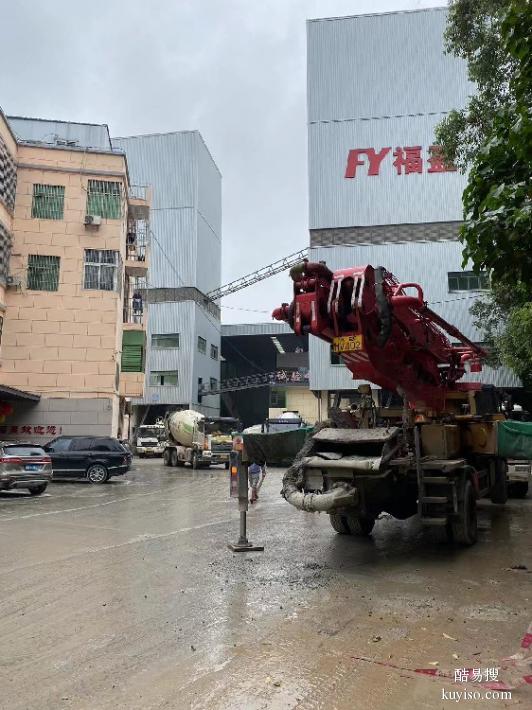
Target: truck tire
339 524
166 457
174 460
361 527
463 528
499 490
518 489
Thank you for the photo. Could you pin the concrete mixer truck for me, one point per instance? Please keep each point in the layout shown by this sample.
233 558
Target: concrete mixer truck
198 440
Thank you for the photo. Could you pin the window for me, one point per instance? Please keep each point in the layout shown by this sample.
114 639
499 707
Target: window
214 352
132 351
59 445
101 272
43 273
81 443
213 383
277 398
468 281
48 202
202 344
161 378
335 358
105 445
104 199
165 340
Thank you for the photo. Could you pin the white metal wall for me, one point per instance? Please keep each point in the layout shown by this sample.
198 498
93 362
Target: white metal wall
379 81
185 251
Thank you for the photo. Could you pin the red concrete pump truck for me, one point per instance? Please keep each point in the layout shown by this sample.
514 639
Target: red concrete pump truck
434 456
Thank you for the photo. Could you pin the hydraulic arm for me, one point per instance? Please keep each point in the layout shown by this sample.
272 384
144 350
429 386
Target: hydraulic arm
383 330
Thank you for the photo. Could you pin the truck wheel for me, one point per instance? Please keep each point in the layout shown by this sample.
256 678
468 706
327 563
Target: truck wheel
339 524
463 529
226 464
499 490
519 489
361 527
166 458
97 473
173 458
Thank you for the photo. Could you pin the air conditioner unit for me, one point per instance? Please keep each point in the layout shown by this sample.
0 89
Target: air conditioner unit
93 220
13 281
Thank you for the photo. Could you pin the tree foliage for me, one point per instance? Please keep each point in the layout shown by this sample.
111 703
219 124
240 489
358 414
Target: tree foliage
492 137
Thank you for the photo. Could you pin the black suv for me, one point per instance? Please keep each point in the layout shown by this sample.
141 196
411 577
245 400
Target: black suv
95 458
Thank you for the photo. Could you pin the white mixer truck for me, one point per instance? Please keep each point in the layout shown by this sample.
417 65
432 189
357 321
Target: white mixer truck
198 440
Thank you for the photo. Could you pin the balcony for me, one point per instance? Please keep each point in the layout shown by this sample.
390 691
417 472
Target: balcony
138 202
134 313
137 252
131 384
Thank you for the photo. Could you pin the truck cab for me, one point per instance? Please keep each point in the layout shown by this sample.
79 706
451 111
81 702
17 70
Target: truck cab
150 440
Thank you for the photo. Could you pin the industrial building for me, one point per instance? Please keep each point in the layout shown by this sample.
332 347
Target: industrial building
73 234
379 192
183 338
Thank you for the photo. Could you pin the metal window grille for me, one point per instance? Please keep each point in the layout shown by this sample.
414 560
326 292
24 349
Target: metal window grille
8 177
104 199
43 273
163 377
278 398
202 345
101 270
137 239
48 202
214 352
468 281
5 252
213 382
165 340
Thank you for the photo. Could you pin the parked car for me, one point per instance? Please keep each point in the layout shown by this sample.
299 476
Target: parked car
24 465
94 458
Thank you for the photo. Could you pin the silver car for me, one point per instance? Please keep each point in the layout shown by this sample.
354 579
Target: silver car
24 465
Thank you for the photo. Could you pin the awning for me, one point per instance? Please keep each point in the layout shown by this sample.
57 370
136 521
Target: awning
11 394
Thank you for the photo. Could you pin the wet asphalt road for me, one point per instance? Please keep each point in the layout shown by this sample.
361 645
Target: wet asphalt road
126 596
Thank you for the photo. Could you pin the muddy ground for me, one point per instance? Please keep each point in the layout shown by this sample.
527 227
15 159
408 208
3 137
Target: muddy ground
126 596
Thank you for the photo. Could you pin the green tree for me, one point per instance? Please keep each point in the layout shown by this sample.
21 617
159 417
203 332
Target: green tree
492 137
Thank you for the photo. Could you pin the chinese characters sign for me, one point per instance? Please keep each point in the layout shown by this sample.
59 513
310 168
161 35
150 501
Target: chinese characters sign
35 430
406 160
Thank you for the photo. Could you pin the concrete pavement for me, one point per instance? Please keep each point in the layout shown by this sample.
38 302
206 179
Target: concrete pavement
126 596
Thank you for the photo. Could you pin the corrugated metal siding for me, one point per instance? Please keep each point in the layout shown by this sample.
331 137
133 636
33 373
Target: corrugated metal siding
204 366
170 318
387 198
382 65
276 328
87 135
425 263
185 251
380 81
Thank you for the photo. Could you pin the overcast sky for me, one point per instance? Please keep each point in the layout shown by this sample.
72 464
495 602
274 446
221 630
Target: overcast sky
233 69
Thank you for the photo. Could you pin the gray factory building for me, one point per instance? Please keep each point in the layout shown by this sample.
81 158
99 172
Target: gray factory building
183 335
379 192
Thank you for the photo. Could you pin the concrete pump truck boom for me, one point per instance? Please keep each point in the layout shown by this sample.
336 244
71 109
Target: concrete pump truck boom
437 455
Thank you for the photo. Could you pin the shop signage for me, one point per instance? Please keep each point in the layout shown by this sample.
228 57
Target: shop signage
408 160
34 430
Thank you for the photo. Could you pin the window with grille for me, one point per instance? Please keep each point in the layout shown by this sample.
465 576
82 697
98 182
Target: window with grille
48 202
101 270
335 358
202 344
104 199
160 378
165 340
468 281
214 352
213 383
43 272
277 398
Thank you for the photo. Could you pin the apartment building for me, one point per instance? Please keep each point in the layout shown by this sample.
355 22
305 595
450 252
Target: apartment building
74 248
